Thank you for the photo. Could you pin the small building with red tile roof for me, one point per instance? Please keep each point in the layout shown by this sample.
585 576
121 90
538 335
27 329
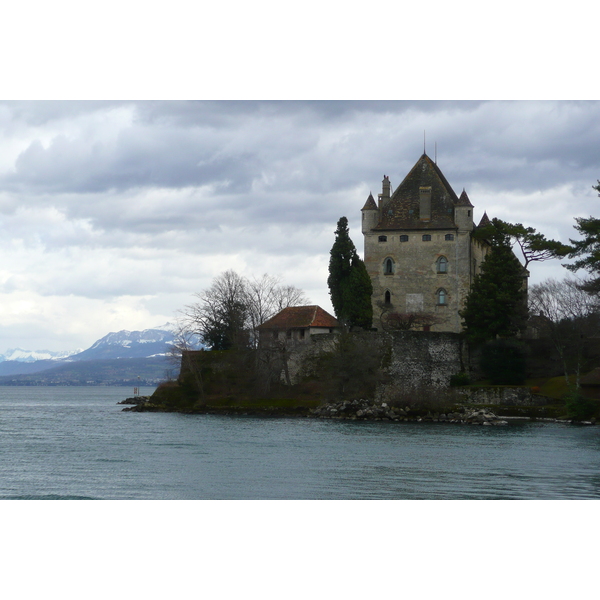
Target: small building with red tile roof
298 323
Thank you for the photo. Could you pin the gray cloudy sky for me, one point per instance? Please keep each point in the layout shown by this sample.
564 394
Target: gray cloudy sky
113 214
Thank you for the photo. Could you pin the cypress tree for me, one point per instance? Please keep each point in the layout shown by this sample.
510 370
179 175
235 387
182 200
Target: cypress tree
349 283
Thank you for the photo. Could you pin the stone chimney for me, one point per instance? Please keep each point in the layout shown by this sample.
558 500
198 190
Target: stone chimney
386 192
425 203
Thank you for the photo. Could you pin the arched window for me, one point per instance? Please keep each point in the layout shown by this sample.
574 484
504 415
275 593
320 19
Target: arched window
442 296
442 264
388 297
383 238
426 237
404 238
449 237
388 266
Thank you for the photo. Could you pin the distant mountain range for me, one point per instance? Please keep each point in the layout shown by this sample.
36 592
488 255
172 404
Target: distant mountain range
119 358
29 356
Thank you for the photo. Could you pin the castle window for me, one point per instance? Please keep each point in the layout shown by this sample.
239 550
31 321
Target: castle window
426 238
404 238
388 267
442 264
388 297
383 238
468 213
442 297
449 237
301 334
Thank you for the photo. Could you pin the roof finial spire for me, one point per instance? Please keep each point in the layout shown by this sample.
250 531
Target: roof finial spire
424 151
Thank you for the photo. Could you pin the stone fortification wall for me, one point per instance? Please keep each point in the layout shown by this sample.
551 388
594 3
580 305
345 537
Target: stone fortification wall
300 353
426 359
413 359
504 396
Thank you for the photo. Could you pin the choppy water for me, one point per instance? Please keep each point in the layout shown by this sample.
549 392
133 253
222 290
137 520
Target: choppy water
71 443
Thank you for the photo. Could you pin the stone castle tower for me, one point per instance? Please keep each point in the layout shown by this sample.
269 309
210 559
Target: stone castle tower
419 251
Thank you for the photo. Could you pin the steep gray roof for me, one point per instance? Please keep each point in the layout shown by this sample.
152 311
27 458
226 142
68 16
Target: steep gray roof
402 210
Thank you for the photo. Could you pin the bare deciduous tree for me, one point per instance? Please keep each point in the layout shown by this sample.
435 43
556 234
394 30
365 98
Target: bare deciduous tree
392 320
226 316
571 316
265 297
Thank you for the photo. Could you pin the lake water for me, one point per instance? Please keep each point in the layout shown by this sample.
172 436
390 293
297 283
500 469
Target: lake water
70 443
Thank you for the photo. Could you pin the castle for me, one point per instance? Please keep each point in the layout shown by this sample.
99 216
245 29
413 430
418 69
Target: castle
419 250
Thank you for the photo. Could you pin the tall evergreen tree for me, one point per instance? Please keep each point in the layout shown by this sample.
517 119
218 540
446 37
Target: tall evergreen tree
587 250
349 283
496 304
357 290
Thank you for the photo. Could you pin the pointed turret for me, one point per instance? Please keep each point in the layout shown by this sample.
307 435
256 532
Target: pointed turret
463 213
485 220
464 200
370 203
370 214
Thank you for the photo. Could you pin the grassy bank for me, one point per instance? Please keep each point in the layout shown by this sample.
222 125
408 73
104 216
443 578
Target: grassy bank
232 390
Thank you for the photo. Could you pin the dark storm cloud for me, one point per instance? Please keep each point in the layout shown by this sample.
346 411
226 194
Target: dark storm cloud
18 114
201 166
179 144
198 166
522 146
227 113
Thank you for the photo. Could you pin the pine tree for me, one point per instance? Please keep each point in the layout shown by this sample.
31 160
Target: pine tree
496 304
587 250
349 283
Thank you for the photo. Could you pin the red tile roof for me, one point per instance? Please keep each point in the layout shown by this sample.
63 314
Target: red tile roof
300 317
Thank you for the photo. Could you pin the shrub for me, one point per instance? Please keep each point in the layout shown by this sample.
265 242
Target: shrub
504 362
578 407
460 379
421 399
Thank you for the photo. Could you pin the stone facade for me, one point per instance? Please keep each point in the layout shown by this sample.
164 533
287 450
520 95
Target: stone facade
416 359
418 249
426 359
503 396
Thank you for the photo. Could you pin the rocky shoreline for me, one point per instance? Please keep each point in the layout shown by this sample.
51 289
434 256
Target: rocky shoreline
360 410
365 410
136 401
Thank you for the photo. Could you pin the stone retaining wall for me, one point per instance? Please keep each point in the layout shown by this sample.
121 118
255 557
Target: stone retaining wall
426 359
417 359
505 396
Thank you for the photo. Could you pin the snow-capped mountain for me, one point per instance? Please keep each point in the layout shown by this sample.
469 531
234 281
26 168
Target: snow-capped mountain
29 356
132 344
150 344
